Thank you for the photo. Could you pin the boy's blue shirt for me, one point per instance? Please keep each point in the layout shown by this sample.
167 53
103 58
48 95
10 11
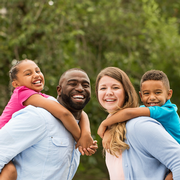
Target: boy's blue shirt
168 117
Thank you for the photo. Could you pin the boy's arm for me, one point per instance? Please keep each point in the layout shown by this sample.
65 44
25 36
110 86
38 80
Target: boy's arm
57 110
85 140
121 116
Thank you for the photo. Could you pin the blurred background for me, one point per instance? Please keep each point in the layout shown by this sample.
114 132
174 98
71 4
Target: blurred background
134 35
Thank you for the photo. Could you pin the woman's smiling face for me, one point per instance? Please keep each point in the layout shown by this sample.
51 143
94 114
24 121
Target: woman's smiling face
111 94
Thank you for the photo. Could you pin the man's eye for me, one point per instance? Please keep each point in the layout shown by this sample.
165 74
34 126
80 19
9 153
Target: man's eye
85 85
72 84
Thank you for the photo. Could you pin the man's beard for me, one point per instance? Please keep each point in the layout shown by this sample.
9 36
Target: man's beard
76 106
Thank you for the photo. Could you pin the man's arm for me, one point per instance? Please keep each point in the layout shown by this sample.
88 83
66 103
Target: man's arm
22 131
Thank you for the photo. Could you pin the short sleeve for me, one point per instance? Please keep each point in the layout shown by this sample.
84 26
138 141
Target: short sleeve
24 93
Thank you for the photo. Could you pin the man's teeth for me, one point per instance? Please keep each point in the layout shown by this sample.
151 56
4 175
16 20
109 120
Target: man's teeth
78 97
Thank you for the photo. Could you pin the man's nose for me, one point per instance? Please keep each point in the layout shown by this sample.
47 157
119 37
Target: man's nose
79 88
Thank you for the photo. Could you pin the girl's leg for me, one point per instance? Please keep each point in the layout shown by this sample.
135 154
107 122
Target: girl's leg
8 172
169 176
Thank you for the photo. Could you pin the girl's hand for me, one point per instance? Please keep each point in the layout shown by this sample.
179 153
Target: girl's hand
90 150
85 142
101 130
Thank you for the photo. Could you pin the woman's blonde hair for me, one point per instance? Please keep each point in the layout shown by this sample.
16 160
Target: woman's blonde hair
118 130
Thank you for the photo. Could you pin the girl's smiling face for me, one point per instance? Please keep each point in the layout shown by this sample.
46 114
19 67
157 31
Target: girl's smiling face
111 94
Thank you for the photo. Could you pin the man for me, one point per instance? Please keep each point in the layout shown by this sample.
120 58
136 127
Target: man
41 146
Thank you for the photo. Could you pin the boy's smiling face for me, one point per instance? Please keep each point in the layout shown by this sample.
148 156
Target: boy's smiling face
154 93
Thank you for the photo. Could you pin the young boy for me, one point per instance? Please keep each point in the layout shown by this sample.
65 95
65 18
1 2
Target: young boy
155 93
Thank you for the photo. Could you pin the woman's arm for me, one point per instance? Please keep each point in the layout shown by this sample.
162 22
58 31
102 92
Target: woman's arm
121 116
58 111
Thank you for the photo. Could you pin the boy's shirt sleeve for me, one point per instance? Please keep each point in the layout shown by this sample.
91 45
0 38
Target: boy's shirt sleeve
161 113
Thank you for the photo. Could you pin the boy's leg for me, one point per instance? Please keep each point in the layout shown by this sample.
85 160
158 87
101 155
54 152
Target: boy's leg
8 172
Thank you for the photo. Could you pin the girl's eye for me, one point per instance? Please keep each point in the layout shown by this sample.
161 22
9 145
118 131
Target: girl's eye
28 74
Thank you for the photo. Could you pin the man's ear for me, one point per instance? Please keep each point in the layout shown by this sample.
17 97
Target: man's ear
170 92
15 84
59 89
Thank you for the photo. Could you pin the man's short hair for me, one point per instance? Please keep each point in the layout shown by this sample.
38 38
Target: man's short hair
72 69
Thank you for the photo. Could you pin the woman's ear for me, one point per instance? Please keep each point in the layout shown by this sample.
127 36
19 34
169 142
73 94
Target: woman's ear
59 88
170 92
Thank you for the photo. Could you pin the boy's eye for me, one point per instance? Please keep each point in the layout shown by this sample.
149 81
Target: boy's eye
158 92
146 93
28 74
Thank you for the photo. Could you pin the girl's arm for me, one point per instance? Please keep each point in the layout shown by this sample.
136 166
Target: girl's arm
85 140
58 111
121 116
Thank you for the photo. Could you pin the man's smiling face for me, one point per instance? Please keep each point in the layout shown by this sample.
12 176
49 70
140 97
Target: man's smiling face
74 90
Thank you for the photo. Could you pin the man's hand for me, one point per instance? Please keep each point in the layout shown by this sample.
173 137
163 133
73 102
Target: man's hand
90 150
85 141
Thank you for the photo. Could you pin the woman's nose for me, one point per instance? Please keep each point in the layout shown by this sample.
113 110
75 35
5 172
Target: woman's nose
109 91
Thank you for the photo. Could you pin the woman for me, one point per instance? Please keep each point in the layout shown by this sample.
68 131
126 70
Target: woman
149 151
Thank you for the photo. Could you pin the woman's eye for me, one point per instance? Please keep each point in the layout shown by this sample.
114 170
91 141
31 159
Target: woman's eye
116 87
102 88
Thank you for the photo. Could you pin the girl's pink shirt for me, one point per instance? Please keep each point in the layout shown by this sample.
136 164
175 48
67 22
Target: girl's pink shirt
20 94
114 166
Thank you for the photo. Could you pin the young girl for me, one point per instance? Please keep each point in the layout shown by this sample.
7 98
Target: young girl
27 81
115 92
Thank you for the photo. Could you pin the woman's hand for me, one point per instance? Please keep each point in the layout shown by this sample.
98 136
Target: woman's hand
106 140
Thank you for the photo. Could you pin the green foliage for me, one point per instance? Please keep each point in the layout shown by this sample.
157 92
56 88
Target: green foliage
135 36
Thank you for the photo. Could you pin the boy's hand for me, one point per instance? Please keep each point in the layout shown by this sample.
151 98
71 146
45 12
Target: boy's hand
90 150
101 130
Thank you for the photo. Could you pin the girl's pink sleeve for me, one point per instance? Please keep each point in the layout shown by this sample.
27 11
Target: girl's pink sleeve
24 93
